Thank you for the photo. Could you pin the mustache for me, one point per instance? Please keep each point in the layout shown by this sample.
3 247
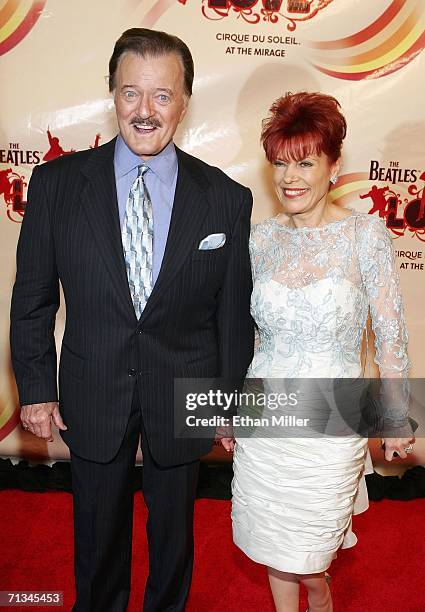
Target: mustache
148 121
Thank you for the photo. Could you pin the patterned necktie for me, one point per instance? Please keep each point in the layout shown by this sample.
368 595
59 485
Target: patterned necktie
137 240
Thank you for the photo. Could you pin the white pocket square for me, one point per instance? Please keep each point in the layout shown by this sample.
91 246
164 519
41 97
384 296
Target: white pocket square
213 241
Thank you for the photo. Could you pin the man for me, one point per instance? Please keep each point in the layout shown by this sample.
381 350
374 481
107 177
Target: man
120 227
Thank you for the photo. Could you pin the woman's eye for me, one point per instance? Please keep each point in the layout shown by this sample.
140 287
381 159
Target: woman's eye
306 164
279 164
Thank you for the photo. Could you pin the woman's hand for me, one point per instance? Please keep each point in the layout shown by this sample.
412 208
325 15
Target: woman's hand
228 443
397 445
224 433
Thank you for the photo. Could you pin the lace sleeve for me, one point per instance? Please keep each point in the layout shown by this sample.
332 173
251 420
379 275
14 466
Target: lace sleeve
382 285
256 248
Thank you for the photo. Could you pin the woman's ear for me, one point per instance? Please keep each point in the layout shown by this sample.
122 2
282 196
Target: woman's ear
334 170
336 167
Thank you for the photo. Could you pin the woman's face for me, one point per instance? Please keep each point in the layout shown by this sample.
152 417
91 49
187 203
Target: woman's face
303 185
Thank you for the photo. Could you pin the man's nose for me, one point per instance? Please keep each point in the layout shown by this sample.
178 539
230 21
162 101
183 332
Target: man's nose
145 107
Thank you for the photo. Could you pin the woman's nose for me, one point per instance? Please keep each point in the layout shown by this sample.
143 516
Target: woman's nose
289 174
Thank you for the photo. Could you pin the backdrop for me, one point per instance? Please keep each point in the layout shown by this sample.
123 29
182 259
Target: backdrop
54 100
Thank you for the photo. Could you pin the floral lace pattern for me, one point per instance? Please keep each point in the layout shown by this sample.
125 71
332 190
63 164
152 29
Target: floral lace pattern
313 291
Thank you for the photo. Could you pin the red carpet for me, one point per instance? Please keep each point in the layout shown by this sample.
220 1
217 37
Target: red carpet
384 572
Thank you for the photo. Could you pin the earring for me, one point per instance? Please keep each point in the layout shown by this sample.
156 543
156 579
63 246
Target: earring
334 179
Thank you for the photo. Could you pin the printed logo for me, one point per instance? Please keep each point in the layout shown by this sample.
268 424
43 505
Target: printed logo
254 11
12 188
13 183
388 44
17 18
395 194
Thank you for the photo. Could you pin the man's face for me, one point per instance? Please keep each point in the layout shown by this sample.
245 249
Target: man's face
150 101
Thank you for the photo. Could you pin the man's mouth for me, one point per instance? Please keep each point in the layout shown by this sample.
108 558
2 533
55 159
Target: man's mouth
143 128
294 192
146 126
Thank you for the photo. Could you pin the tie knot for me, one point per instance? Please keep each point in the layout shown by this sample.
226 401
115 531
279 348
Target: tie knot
143 168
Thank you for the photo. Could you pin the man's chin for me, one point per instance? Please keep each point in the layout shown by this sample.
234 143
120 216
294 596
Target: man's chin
144 151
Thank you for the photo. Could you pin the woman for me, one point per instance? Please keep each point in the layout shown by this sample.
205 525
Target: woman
318 270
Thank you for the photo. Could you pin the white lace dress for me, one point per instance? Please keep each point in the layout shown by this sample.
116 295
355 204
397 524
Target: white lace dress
293 498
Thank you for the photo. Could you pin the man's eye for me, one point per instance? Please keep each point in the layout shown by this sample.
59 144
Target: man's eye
129 95
163 98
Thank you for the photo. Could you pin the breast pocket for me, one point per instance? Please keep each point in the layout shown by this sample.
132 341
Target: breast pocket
210 255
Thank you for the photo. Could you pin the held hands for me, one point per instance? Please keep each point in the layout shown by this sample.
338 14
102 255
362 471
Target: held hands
228 443
225 435
397 445
37 419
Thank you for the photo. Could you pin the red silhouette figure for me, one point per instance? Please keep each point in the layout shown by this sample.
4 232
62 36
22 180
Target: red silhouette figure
378 198
96 142
55 148
6 185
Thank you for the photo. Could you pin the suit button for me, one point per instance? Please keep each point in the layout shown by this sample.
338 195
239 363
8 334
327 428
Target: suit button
139 331
132 372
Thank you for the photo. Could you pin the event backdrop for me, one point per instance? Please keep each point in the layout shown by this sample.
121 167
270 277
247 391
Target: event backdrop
54 100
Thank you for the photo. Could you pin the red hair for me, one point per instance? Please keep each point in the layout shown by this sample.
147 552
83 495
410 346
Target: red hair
304 124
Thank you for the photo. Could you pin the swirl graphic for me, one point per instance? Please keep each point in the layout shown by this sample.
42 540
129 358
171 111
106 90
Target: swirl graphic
349 187
388 44
157 10
17 18
9 418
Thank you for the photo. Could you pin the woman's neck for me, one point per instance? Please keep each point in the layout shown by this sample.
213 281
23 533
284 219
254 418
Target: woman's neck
318 216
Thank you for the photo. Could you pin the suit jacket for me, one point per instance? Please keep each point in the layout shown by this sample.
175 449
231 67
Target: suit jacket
196 322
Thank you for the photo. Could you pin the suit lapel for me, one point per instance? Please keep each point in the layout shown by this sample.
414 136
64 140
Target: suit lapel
189 209
101 207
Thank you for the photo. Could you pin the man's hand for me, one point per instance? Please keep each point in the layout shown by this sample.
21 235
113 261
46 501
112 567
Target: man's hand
37 419
396 445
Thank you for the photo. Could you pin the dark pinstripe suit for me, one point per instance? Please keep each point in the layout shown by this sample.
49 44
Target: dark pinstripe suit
196 322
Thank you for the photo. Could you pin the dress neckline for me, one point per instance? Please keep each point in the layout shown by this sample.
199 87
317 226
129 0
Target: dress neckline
330 225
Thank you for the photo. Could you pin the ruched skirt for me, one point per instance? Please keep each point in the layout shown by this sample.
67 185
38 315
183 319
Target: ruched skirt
293 499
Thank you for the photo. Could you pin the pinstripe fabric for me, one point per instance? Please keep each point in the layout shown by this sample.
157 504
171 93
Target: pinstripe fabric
196 321
103 497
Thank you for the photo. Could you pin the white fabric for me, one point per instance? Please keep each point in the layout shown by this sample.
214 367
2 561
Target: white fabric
213 241
293 498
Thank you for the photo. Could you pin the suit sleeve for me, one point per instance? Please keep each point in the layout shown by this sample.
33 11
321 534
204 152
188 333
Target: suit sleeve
35 301
234 322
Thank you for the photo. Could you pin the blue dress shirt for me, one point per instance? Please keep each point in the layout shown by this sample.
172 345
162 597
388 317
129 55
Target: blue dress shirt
160 181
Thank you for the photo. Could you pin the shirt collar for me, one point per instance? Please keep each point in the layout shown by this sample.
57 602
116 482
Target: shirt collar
164 165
